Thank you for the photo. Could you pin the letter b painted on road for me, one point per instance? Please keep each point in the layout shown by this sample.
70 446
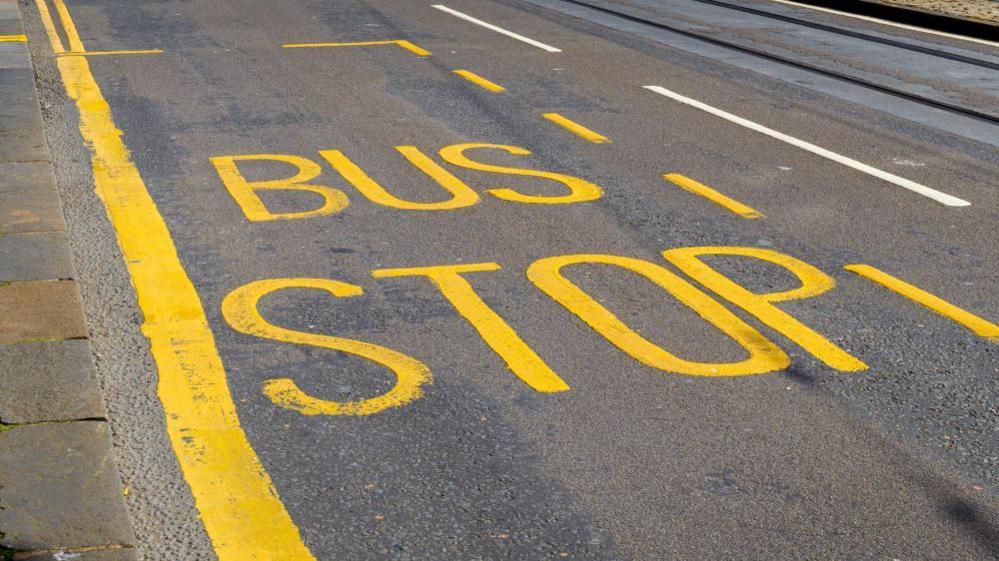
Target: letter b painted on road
245 192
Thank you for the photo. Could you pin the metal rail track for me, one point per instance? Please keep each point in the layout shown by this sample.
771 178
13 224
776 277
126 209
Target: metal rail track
856 34
968 112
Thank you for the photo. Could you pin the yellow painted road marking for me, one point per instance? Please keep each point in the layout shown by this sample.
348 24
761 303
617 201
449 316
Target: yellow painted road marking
239 506
120 52
979 326
764 355
50 28
579 190
240 309
415 49
813 283
245 192
461 194
13 38
480 81
719 199
496 332
576 128
75 44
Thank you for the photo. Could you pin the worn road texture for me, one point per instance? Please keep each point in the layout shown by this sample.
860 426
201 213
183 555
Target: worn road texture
641 459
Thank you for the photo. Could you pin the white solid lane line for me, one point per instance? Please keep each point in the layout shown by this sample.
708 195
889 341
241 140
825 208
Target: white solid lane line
891 23
923 190
527 40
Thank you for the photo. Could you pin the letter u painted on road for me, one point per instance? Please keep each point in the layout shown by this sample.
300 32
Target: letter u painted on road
461 195
240 309
246 192
764 356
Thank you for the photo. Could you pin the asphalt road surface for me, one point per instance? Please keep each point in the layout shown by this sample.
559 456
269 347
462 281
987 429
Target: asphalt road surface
352 304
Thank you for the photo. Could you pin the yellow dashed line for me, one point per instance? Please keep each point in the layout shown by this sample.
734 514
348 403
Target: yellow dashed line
977 325
480 81
719 199
576 128
13 38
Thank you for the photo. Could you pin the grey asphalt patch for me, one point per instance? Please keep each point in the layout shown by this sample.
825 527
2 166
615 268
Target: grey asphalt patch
48 381
56 480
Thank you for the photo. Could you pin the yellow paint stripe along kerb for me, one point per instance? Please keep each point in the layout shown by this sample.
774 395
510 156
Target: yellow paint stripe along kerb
49 25
237 501
75 44
13 38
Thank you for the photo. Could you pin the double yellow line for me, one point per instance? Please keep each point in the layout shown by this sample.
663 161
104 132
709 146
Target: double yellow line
72 36
237 501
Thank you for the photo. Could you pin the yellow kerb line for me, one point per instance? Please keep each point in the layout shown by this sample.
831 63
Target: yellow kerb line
50 29
977 325
413 48
13 38
75 44
122 52
719 199
238 504
480 81
576 128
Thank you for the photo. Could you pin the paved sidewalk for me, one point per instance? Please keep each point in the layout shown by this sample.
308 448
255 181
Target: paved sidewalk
60 493
983 10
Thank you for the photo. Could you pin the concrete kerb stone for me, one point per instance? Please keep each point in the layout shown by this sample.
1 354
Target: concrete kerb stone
60 493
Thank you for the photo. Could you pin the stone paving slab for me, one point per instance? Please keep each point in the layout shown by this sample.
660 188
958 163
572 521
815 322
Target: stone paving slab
29 201
49 381
35 256
11 54
57 482
20 108
8 10
40 310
